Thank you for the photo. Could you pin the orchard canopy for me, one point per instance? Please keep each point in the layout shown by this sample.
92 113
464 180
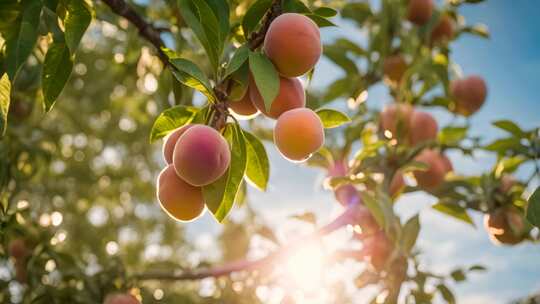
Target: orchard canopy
127 124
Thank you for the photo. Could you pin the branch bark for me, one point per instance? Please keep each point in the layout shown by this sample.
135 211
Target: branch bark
352 213
146 29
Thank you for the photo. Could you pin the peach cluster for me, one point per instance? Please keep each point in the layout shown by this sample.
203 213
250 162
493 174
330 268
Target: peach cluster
196 155
293 44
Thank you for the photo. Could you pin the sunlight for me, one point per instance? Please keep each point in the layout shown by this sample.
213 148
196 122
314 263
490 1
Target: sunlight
305 267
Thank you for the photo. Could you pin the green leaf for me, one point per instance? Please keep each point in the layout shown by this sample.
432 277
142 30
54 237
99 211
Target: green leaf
332 118
339 56
533 208
501 146
410 233
381 209
258 168
325 12
5 93
200 17
265 76
171 119
458 275
294 6
477 268
359 12
76 21
511 127
189 74
451 135
219 196
320 21
509 165
9 11
480 30
21 37
221 11
254 15
240 56
455 211
56 70
446 293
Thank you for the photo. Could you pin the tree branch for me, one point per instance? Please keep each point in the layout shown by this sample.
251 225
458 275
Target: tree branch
354 211
146 30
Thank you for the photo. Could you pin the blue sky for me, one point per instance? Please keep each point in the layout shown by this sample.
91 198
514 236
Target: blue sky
510 63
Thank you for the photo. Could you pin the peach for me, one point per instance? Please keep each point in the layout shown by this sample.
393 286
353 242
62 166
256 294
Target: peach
170 141
469 94
423 128
17 249
293 44
447 164
291 96
394 67
201 155
434 175
505 225
298 133
397 184
344 194
179 199
377 248
121 298
244 108
444 30
396 118
419 11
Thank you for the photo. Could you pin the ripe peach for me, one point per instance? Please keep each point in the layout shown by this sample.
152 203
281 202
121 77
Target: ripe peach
121 298
291 96
396 118
423 128
434 175
444 30
293 44
243 107
377 249
298 133
469 94
170 141
447 164
201 155
394 67
17 249
505 225
419 11
179 199
397 183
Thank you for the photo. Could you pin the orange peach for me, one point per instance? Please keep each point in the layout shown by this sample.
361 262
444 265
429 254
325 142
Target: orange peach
298 133
244 108
291 96
170 141
179 199
201 155
469 94
423 128
121 298
419 11
505 225
436 170
293 44
396 119
394 67
444 30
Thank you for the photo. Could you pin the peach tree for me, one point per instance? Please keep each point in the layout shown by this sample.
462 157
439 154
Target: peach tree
219 81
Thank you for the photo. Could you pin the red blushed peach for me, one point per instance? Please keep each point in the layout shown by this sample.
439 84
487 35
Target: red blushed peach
298 133
394 67
291 96
447 164
179 199
293 44
377 249
121 298
434 175
396 119
444 30
423 128
201 155
505 225
419 11
243 108
170 142
469 94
